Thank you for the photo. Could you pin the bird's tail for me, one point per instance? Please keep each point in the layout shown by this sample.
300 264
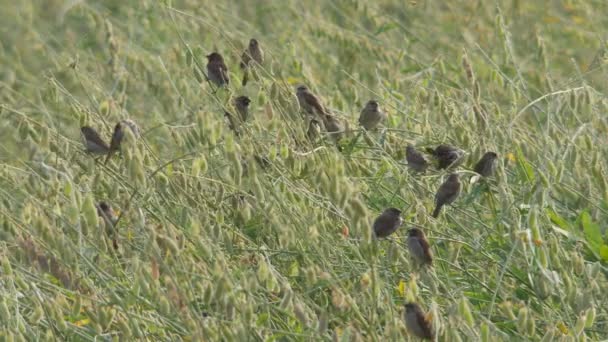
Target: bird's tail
245 77
436 211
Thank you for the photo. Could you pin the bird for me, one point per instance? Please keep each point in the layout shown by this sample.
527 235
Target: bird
314 129
217 72
387 223
333 127
241 104
485 166
371 115
93 142
447 193
119 134
415 159
447 155
105 211
419 247
252 53
309 102
417 323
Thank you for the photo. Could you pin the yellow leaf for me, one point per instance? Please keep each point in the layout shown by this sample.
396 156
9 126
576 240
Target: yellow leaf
551 19
401 288
293 80
563 328
338 331
578 20
82 322
511 156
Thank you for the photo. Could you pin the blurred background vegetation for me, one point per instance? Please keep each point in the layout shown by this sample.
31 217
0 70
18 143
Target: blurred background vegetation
212 246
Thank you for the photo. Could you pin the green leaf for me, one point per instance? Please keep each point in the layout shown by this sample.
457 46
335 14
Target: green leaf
558 220
385 28
262 319
294 269
604 252
593 234
525 167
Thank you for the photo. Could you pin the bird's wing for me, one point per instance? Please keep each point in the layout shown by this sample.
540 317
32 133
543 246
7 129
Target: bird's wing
92 137
314 102
116 137
426 249
223 70
245 59
425 325
416 157
417 248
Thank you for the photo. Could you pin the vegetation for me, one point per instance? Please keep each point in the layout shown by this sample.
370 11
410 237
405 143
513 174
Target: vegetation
213 246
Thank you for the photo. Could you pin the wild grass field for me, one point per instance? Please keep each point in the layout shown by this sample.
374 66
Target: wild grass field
212 246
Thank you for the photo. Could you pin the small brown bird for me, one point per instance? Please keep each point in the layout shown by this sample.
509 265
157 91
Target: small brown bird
93 142
333 127
314 129
241 104
105 211
485 166
309 102
371 115
387 223
416 322
447 155
415 159
447 193
119 134
217 72
419 247
252 53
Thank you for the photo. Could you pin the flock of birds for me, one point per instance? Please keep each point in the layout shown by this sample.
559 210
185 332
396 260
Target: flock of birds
447 157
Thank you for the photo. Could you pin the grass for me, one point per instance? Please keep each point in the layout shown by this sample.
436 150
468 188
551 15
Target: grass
214 247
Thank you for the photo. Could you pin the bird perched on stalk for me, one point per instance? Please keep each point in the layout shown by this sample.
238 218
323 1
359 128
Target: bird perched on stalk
485 166
419 247
416 322
217 71
333 127
119 134
93 142
387 223
309 102
252 53
371 115
106 213
415 159
447 155
447 193
241 104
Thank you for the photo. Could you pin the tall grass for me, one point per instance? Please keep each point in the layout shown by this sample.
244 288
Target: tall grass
212 246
